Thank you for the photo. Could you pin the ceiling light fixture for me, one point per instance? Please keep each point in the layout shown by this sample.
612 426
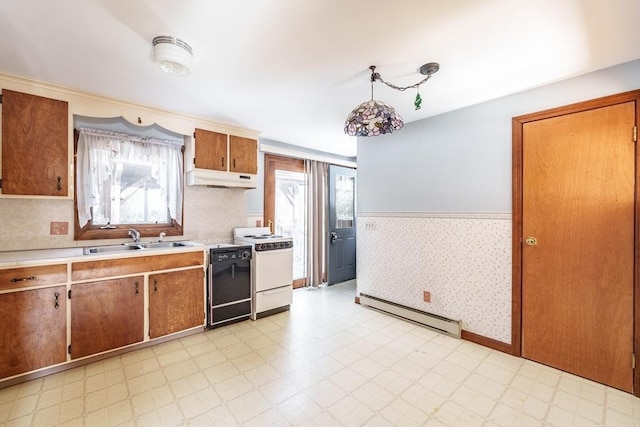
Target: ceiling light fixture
172 55
373 118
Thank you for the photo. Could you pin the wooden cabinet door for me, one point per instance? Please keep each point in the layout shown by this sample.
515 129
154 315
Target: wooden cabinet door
210 150
34 330
243 155
105 315
176 301
35 141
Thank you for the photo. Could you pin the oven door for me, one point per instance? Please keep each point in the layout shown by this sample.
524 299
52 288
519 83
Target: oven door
273 269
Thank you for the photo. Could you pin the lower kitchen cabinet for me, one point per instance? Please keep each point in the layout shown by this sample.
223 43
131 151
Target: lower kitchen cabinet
176 301
59 314
34 330
106 314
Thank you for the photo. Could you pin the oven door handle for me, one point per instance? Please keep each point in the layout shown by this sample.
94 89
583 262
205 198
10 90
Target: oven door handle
275 291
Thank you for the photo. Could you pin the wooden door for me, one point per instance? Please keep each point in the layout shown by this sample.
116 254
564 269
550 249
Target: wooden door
210 150
34 330
35 145
176 301
243 155
578 214
105 315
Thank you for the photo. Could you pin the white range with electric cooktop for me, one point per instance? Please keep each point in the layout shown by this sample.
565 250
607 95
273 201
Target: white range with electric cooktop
271 269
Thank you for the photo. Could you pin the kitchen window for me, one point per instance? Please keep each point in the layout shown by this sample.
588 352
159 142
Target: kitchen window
126 181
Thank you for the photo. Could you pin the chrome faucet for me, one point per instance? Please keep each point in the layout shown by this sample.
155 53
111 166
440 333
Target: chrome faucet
161 236
135 235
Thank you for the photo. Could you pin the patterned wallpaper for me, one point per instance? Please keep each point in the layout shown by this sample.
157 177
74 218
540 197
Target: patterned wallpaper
464 260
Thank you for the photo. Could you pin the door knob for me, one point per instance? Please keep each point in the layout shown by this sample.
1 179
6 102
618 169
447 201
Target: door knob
531 241
334 236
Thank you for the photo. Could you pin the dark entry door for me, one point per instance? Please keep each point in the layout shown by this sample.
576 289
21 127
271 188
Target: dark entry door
342 224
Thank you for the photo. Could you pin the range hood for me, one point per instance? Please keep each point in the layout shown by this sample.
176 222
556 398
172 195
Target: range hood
211 178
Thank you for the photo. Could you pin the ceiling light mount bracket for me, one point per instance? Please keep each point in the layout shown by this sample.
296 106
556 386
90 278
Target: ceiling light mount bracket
429 68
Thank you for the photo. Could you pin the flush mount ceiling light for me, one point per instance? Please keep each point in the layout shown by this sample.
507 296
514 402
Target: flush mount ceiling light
172 55
373 118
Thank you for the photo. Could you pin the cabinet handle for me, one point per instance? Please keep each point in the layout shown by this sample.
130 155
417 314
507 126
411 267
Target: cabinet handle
137 291
56 304
234 163
155 285
23 279
59 186
222 161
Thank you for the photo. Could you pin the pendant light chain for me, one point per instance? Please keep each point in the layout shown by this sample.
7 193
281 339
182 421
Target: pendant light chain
402 89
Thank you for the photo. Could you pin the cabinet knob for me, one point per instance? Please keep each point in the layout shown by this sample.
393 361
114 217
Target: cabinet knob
59 184
155 285
137 290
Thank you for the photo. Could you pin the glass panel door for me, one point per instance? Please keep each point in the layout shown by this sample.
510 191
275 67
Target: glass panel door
285 193
290 213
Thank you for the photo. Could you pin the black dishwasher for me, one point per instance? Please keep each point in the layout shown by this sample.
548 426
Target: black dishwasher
228 284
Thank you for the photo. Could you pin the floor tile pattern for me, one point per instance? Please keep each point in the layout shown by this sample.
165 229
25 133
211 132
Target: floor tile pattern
327 362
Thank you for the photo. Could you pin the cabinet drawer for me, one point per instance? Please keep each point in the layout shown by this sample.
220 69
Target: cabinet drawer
96 269
24 277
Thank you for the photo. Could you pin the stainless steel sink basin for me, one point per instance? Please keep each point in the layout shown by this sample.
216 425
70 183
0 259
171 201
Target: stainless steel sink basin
110 249
126 247
162 245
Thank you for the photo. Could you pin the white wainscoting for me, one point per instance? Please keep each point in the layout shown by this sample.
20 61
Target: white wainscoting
463 259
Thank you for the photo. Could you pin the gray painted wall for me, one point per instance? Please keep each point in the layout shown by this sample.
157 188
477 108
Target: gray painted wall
461 161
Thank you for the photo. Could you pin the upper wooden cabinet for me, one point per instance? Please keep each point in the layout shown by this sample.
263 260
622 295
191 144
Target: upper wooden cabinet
211 150
243 154
222 160
35 145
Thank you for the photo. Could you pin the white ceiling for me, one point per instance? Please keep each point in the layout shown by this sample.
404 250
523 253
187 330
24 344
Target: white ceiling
294 69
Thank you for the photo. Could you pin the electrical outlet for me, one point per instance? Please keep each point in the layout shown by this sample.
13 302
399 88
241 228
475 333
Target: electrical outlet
370 225
426 296
58 228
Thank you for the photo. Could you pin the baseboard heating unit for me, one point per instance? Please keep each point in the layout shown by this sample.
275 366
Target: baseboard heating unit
432 321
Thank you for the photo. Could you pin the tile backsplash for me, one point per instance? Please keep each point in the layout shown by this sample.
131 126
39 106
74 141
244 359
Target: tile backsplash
210 214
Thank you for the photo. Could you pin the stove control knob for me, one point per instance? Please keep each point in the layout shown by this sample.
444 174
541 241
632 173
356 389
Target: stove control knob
245 255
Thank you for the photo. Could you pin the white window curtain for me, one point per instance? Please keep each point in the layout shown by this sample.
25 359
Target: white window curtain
316 223
98 152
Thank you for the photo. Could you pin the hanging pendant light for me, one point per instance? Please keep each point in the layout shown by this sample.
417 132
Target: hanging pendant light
373 118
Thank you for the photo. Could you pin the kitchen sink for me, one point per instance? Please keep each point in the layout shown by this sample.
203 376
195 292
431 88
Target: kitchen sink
126 247
162 245
110 249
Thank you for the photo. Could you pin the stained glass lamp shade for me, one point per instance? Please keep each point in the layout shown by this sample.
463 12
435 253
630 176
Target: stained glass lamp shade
372 118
